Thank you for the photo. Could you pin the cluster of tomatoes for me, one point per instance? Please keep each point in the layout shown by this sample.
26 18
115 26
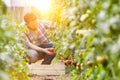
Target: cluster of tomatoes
67 61
70 61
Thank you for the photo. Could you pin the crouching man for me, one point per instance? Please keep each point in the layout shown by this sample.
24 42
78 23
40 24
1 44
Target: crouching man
37 41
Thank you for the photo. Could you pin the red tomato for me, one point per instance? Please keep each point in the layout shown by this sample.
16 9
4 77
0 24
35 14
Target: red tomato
67 62
51 50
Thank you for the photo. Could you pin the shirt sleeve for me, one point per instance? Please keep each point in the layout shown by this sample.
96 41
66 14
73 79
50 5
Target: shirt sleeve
27 42
32 46
48 24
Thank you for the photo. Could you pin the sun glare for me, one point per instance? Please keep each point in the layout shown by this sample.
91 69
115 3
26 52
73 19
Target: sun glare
43 5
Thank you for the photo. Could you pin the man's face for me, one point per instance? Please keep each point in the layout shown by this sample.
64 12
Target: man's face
32 25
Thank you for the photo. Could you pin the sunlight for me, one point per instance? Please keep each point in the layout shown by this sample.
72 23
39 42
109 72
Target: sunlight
43 5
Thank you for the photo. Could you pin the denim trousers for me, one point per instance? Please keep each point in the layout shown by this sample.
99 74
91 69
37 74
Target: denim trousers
34 55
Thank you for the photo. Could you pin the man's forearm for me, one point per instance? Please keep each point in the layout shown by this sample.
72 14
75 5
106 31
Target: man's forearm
36 47
32 46
39 49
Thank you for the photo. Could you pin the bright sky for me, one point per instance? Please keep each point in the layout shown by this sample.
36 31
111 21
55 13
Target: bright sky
43 5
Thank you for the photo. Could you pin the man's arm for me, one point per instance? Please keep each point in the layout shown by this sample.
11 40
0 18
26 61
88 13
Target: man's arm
48 24
32 46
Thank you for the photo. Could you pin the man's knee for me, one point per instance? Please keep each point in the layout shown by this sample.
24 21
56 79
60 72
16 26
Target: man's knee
33 56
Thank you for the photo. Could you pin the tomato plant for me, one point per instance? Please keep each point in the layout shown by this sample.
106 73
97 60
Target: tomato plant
13 64
90 32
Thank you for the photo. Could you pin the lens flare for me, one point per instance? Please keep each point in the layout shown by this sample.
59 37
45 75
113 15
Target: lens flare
43 5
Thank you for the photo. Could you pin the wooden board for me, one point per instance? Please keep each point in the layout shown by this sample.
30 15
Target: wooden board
52 69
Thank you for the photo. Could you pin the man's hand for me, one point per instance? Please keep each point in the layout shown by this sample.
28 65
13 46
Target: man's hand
49 51
48 24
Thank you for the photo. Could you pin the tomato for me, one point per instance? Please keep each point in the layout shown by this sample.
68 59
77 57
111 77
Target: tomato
51 50
100 59
89 63
61 58
78 64
67 62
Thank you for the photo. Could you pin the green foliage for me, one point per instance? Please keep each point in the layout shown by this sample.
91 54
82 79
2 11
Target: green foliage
12 59
90 31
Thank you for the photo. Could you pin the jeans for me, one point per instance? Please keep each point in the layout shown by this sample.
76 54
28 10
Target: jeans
34 55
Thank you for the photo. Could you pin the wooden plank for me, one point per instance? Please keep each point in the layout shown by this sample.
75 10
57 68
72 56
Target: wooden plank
52 69
60 67
47 72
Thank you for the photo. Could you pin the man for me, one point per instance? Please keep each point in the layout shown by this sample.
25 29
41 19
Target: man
37 40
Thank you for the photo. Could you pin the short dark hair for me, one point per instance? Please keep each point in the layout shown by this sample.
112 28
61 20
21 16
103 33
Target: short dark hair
29 17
